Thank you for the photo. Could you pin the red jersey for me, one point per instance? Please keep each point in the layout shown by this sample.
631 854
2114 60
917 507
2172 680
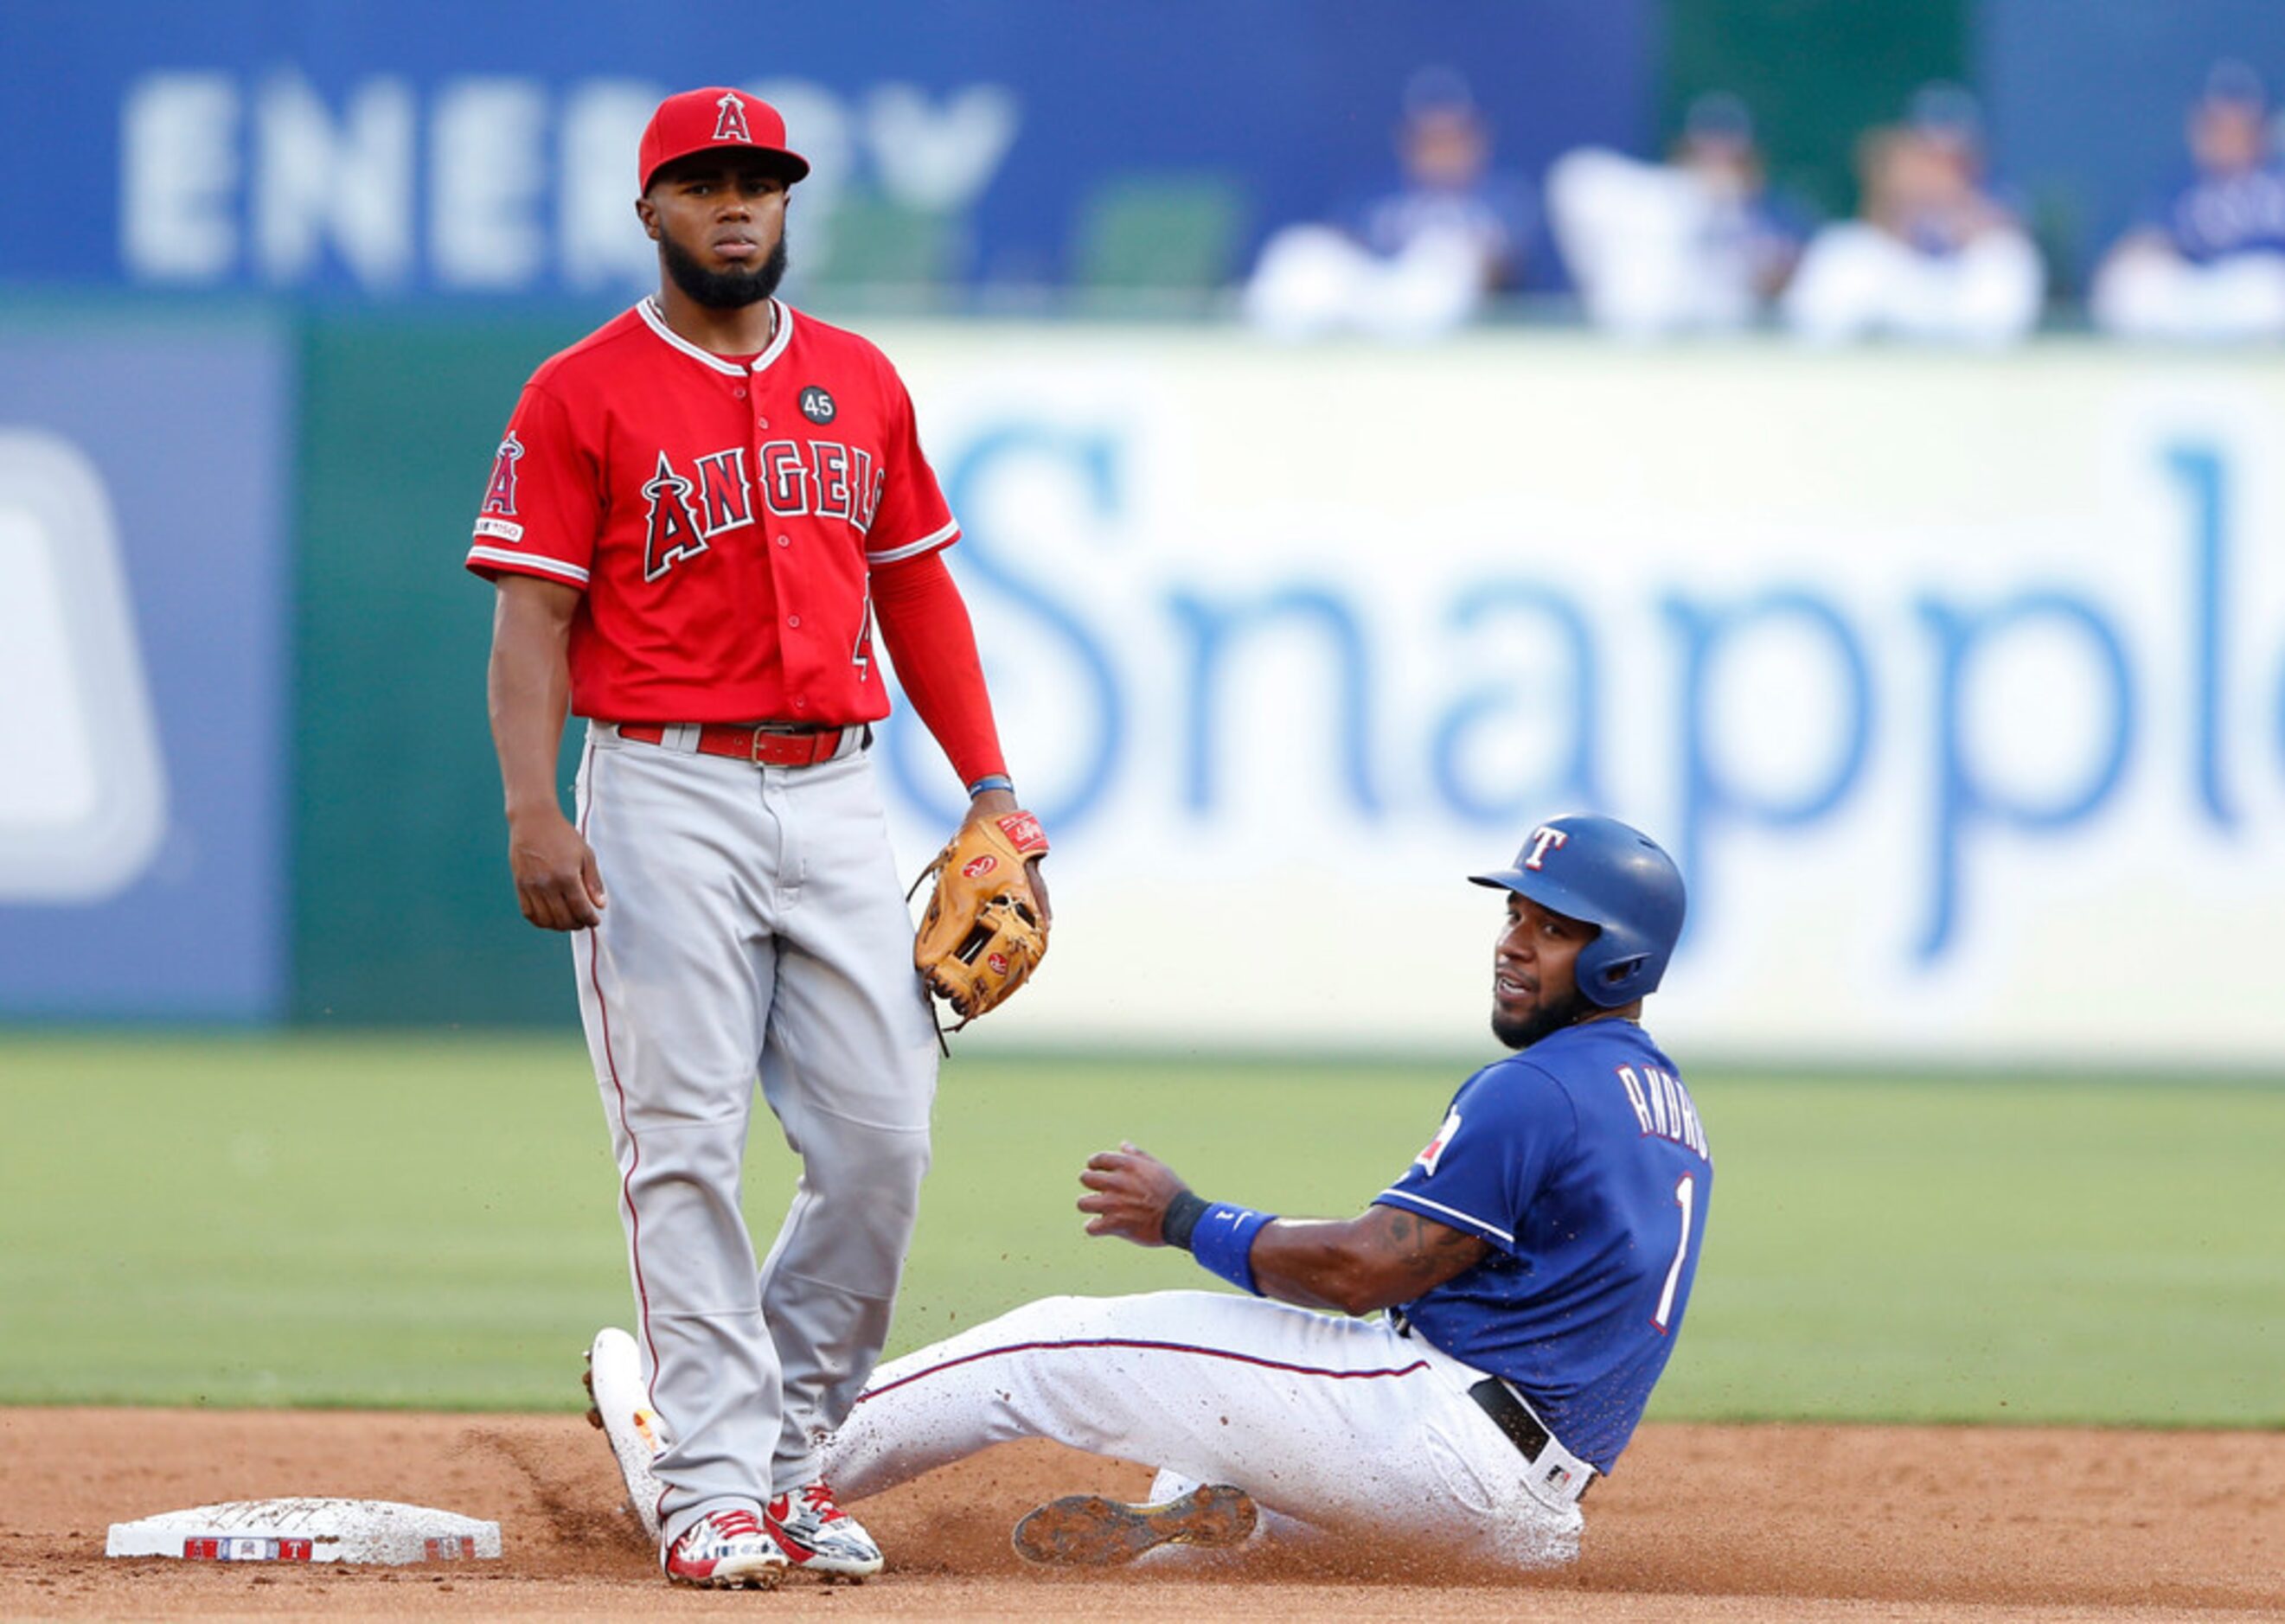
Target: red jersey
720 516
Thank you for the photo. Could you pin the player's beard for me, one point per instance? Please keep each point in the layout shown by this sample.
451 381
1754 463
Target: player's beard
723 290
1545 1019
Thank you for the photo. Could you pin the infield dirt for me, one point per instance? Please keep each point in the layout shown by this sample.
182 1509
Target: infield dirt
1700 1522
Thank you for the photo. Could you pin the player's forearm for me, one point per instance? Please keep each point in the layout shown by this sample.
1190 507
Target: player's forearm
1312 1262
1384 1256
528 707
925 625
528 691
1316 1263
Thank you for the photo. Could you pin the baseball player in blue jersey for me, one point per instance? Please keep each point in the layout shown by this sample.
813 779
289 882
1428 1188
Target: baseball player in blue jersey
1533 1263
2208 263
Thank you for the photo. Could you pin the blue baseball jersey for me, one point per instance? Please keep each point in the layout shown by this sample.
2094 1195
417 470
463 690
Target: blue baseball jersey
1582 1160
2219 215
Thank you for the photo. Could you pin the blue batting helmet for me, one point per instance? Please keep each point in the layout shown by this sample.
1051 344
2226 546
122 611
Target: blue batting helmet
1602 873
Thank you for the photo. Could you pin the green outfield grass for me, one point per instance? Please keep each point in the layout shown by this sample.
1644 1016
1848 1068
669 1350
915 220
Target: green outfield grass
430 1222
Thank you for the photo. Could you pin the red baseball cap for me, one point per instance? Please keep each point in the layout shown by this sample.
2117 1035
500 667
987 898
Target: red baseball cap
700 120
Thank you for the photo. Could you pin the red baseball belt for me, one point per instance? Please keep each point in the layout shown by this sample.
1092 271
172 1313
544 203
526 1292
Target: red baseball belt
769 744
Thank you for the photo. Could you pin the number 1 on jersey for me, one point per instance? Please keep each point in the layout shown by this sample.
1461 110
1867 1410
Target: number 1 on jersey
1685 1195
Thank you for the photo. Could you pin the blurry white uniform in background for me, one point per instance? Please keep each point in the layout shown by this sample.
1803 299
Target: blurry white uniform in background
2159 295
1653 249
1313 280
1423 260
1935 258
1859 281
1691 246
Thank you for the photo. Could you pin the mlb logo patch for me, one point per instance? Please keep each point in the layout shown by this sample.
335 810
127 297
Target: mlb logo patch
1434 1153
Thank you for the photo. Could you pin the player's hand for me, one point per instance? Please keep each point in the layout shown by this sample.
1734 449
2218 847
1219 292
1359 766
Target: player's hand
998 803
557 885
1129 1189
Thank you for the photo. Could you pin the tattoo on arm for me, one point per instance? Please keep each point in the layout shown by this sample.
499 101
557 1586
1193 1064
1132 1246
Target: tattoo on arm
1420 1252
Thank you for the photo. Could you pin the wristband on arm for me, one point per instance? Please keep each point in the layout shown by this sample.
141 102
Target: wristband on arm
1218 1235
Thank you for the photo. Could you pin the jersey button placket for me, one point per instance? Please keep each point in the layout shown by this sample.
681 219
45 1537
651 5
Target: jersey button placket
799 703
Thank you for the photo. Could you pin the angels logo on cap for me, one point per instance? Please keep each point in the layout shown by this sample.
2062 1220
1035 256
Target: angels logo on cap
700 120
732 125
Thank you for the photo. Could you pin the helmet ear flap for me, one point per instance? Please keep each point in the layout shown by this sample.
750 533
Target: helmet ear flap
1609 982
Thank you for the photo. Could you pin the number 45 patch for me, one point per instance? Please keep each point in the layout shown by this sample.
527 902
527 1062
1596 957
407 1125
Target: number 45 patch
1434 1153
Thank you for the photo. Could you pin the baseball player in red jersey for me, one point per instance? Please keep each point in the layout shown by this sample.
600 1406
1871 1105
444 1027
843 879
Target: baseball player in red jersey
693 520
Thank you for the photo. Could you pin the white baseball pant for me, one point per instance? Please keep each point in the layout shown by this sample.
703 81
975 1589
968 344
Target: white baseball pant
1331 1424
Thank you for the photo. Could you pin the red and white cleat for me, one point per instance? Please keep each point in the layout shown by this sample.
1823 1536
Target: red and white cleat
818 1537
727 1550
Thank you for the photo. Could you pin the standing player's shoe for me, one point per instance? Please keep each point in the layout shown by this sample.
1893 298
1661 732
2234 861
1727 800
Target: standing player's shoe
727 1550
818 1537
615 1394
1091 1531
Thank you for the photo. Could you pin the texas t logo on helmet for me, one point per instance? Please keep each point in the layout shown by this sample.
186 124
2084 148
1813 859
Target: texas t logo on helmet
1615 878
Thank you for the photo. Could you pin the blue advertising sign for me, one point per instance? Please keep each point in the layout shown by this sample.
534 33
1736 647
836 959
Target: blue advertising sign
427 148
143 629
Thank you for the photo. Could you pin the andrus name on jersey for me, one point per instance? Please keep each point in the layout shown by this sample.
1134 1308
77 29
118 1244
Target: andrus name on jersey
799 479
1663 1106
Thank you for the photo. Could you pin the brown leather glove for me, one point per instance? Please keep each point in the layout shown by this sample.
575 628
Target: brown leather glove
982 935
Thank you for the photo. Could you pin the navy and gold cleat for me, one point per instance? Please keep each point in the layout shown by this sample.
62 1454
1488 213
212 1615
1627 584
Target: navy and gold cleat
1093 1530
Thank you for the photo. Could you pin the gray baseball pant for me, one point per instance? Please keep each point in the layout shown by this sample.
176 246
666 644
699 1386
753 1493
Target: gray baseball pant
756 928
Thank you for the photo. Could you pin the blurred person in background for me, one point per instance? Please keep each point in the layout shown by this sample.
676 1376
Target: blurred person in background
1695 244
1935 257
2209 265
1418 261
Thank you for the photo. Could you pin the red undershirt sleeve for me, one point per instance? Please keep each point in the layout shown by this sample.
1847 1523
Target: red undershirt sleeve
925 622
